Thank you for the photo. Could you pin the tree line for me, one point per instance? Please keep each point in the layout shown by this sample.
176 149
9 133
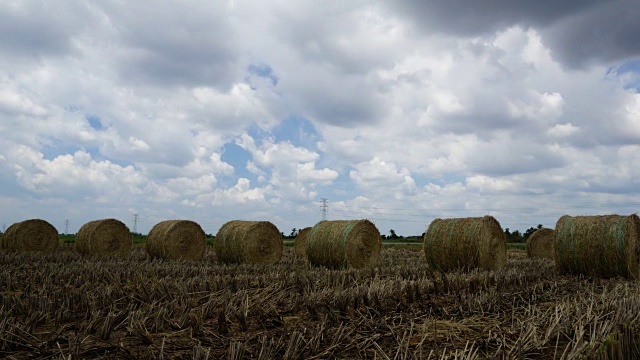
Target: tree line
515 236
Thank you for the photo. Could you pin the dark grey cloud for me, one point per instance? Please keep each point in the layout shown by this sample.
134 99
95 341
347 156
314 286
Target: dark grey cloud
176 43
343 107
605 33
579 32
471 18
34 28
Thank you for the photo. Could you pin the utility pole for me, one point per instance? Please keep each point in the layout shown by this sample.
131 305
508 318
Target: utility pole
135 223
66 227
323 208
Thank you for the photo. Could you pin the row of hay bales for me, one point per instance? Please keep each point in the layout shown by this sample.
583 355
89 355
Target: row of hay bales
334 244
172 239
592 245
449 244
603 246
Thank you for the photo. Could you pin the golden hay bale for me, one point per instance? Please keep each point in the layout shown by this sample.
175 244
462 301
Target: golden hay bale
252 242
541 243
177 240
465 243
104 237
603 246
301 242
30 235
344 243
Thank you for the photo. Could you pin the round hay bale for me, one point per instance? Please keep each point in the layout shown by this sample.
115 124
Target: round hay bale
252 242
300 244
604 246
30 235
344 243
176 240
541 244
465 243
106 237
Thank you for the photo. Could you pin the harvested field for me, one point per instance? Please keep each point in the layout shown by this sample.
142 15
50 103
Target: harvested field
64 305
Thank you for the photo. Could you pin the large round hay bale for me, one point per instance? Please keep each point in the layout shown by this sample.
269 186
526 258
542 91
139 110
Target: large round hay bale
106 237
252 242
603 246
176 240
465 243
30 235
344 243
541 244
300 244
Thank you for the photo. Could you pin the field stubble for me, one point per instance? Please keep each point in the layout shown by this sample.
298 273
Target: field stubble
64 305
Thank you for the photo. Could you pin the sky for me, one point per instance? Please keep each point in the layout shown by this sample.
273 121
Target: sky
395 111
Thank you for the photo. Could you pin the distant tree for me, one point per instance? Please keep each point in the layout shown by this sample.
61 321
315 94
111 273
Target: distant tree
392 234
513 237
294 233
529 232
517 236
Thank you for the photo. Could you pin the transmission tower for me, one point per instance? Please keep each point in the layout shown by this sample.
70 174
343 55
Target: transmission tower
66 226
323 208
135 223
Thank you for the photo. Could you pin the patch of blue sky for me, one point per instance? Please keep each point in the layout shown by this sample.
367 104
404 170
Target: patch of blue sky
9 186
264 71
447 179
294 129
238 158
258 134
94 122
97 156
342 189
298 131
629 66
55 148
630 70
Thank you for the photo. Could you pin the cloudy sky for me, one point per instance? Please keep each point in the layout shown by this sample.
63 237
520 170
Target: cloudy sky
395 111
